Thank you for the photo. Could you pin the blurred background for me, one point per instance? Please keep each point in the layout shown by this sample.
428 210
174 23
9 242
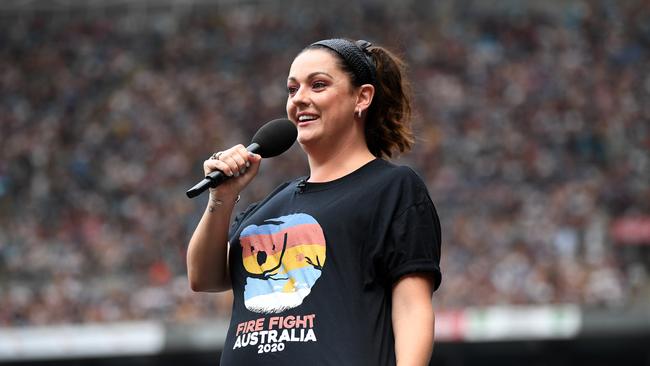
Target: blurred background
533 136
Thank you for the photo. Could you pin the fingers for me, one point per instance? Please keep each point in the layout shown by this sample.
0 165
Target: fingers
232 162
240 157
254 161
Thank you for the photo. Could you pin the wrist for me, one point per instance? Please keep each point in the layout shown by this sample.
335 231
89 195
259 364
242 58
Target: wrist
216 200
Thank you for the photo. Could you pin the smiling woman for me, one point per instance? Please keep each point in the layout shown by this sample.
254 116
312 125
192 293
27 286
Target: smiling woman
353 247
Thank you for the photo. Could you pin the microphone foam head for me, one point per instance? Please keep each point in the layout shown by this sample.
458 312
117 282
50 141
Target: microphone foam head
275 137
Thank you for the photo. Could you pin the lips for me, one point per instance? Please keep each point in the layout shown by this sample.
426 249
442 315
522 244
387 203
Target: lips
306 118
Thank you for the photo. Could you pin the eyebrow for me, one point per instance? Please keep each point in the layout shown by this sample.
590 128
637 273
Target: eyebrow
291 78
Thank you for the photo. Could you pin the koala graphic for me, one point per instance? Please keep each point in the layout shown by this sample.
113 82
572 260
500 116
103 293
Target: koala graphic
283 258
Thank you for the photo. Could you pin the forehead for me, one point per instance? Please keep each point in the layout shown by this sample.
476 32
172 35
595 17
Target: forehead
314 60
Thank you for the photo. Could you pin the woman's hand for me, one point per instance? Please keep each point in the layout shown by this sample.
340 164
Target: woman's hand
237 163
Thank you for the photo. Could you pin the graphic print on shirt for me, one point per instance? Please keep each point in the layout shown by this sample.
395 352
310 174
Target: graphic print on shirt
283 259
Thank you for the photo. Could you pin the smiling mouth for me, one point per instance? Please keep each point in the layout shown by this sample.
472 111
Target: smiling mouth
303 121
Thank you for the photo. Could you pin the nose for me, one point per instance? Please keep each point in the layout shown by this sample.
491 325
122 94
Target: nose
261 257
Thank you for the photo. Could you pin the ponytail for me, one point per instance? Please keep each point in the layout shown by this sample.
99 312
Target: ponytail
388 125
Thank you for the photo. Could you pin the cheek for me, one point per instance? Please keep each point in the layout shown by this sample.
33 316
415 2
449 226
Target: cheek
290 108
343 109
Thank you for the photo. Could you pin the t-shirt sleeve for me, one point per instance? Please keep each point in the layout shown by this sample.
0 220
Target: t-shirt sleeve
413 242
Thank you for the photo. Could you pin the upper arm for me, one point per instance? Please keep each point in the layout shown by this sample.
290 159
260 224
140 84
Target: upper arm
413 319
415 289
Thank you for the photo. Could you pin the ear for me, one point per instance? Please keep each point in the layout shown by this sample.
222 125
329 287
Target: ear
364 97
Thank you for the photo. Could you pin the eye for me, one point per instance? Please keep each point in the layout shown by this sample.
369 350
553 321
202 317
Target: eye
319 85
291 89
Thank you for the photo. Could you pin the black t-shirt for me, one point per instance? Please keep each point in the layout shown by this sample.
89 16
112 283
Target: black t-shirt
312 268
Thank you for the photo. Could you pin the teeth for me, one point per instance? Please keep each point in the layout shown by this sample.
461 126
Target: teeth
306 118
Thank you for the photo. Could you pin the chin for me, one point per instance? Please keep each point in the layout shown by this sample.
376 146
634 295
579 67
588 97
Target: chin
306 138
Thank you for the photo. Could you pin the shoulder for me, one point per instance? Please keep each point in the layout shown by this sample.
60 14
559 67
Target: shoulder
391 170
402 178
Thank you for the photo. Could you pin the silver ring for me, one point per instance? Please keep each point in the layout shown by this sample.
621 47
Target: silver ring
216 155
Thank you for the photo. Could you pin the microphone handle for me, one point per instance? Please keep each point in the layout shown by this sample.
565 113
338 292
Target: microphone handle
216 177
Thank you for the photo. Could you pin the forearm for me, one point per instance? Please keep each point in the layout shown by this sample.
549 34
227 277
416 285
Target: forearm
207 253
414 338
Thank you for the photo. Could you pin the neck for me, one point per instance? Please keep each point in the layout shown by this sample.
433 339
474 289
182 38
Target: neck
327 164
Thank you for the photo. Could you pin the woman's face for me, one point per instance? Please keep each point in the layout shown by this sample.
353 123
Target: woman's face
321 101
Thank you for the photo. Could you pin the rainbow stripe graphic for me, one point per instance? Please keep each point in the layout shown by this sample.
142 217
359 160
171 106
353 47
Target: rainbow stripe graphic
283 258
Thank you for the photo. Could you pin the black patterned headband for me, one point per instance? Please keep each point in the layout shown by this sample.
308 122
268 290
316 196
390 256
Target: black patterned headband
356 55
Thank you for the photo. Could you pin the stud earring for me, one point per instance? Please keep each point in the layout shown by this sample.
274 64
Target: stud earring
359 113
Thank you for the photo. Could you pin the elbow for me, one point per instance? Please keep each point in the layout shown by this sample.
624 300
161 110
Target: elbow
195 282
198 285
203 278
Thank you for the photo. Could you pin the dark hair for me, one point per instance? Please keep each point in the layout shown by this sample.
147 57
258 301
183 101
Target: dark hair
388 122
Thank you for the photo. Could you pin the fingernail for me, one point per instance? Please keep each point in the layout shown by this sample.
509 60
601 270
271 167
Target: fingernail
230 174
242 171
248 164
236 174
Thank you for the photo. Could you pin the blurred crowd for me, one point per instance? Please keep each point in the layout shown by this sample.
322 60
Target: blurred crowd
532 135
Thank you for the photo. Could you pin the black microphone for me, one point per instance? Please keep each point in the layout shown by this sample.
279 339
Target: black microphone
272 139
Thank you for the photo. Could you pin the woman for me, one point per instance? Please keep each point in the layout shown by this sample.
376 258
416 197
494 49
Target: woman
337 268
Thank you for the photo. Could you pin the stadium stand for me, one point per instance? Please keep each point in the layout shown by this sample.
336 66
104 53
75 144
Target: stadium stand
532 129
